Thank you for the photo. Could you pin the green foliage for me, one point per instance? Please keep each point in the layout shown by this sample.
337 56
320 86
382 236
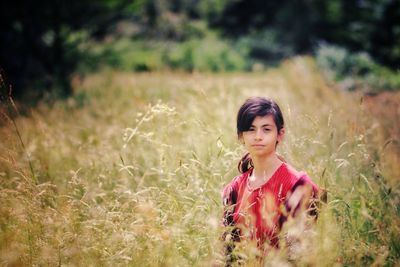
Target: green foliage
50 42
368 25
211 9
205 55
356 70
38 43
47 37
265 46
209 54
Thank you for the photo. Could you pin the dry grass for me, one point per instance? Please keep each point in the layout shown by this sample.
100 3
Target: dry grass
129 172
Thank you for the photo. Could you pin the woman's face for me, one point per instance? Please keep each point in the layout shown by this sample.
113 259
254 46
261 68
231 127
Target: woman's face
261 139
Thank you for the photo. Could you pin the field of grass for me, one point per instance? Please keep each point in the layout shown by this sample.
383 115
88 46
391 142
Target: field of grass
129 171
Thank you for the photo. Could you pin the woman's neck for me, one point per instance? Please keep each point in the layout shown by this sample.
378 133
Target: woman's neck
264 167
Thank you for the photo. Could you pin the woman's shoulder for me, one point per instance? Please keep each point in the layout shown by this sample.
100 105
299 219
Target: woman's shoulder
299 178
292 171
233 186
236 181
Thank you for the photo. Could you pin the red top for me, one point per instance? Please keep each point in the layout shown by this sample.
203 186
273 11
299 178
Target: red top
258 213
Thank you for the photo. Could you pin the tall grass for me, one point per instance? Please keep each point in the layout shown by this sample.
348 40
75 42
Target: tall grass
130 170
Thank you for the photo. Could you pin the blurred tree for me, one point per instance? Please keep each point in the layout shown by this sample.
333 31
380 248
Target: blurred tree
363 25
39 39
387 35
37 52
369 25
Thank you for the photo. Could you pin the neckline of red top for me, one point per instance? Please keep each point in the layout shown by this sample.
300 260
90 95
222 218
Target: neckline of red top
266 182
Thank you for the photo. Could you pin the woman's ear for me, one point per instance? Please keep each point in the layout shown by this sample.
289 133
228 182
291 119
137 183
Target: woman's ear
240 137
281 134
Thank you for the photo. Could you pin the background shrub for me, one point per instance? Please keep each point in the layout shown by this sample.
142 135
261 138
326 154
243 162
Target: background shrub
355 70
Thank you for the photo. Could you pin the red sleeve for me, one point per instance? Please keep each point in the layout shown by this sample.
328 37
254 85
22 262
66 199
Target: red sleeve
306 180
229 200
302 195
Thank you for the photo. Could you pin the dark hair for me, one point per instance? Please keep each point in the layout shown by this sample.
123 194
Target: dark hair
251 108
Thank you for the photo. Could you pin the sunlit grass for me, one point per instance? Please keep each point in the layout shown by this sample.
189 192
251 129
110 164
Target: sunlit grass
130 170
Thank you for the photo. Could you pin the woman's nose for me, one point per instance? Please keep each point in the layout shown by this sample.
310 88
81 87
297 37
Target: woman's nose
258 135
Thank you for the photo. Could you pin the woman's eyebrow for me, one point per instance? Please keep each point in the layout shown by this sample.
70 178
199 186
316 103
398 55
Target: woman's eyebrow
264 125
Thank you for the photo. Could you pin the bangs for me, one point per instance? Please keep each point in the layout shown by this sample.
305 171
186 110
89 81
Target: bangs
250 113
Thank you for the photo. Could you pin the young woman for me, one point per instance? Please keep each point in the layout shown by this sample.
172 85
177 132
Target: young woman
268 191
